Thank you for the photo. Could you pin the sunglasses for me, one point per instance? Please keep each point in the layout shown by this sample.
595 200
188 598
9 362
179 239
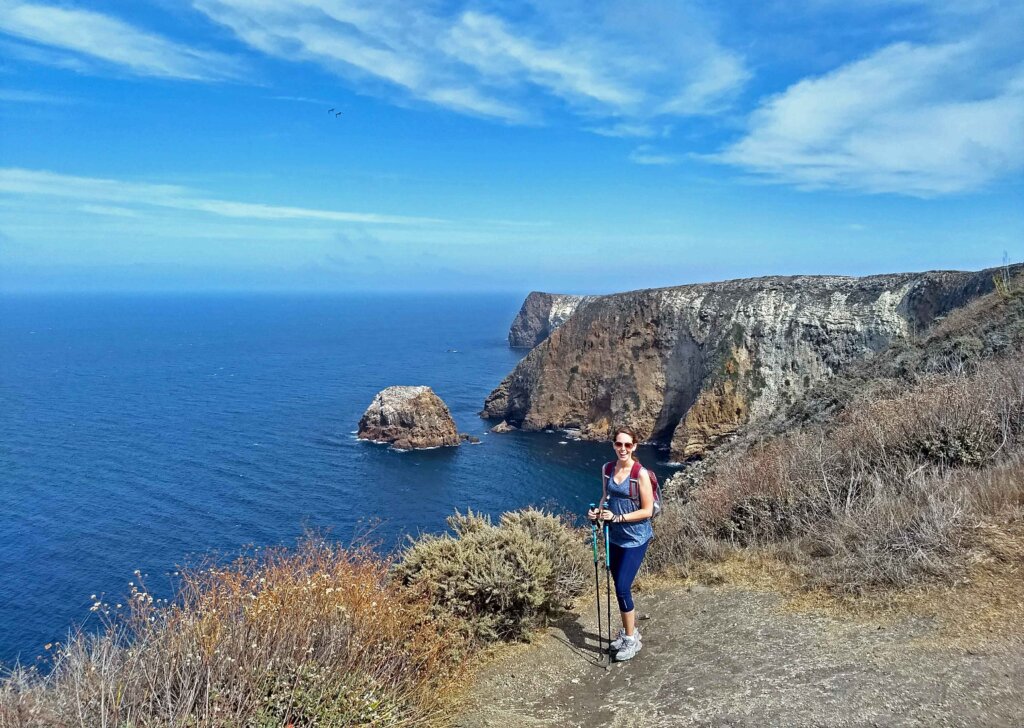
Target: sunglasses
627 445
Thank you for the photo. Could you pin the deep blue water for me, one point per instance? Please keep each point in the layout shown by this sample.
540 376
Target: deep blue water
145 432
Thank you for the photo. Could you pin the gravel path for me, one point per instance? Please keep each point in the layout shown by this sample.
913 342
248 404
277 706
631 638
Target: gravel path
729 656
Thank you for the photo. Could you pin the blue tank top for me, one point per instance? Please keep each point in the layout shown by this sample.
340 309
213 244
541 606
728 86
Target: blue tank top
626 535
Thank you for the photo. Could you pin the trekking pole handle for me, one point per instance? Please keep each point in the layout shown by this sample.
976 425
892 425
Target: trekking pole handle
607 549
593 533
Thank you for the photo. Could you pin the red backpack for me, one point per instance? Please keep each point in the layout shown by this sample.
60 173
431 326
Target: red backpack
634 484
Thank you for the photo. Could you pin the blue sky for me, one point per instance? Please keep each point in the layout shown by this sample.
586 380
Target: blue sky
566 146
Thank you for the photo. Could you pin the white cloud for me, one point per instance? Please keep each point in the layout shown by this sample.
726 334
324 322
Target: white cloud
127 196
632 130
16 96
114 41
108 210
910 118
604 60
646 154
488 44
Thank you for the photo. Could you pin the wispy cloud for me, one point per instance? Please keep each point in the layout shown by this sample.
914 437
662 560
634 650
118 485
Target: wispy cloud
108 210
111 40
646 154
129 196
11 49
602 60
17 96
918 119
632 130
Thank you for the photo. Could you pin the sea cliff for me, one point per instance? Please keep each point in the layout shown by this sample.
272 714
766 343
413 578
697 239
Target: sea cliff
540 314
689 365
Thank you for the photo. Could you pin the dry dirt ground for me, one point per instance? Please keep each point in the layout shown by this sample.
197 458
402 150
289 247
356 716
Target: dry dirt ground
735 656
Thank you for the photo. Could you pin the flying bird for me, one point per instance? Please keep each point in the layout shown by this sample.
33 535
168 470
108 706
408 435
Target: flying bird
337 115
330 110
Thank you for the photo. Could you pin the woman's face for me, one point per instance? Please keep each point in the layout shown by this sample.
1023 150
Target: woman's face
623 444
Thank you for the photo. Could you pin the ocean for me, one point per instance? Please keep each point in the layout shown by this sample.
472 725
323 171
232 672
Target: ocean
145 432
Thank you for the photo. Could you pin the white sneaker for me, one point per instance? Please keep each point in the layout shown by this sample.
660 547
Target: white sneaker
630 646
617 643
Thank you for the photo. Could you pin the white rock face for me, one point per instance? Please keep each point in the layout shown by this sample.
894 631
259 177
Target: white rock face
540 315
410 418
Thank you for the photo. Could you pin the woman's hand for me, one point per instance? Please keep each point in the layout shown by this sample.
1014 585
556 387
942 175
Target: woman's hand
606 515
592 514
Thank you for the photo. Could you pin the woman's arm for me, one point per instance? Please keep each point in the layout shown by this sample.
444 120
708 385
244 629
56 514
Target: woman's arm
646 509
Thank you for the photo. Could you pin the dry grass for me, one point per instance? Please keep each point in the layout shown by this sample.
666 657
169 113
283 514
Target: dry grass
891 494
894 489
317 636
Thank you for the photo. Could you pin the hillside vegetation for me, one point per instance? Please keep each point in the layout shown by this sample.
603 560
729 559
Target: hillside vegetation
318 635
905 469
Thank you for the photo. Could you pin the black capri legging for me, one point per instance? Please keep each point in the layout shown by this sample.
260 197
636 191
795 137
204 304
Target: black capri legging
625 562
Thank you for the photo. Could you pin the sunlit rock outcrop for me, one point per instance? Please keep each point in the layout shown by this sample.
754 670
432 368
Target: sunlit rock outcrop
409 418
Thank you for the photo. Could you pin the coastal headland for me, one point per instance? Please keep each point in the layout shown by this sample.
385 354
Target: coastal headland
689 366
845 549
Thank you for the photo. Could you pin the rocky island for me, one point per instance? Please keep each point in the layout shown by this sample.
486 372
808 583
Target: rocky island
409 418
688 365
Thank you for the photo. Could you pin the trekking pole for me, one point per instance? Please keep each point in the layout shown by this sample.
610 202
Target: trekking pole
597 584
608 583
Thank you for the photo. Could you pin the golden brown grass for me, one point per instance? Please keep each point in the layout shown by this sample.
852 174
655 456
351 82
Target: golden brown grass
316 636
319 635
894 493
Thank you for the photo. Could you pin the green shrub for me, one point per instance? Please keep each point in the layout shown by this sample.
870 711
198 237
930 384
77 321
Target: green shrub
498 581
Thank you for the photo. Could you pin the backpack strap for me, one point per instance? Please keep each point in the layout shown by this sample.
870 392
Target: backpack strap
634 482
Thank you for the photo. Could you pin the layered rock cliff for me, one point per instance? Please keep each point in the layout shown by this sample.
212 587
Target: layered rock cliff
689 365
540 314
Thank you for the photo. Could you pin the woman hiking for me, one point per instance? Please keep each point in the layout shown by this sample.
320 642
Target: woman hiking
630 500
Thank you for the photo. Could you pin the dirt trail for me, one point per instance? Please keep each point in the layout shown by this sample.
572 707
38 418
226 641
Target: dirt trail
730 656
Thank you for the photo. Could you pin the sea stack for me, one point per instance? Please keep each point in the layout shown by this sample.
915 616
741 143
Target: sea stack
410 418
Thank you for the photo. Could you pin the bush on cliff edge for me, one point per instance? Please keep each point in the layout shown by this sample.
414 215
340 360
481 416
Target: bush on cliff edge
499 581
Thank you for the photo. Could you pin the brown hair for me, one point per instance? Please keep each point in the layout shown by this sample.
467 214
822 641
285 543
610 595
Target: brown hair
625 431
